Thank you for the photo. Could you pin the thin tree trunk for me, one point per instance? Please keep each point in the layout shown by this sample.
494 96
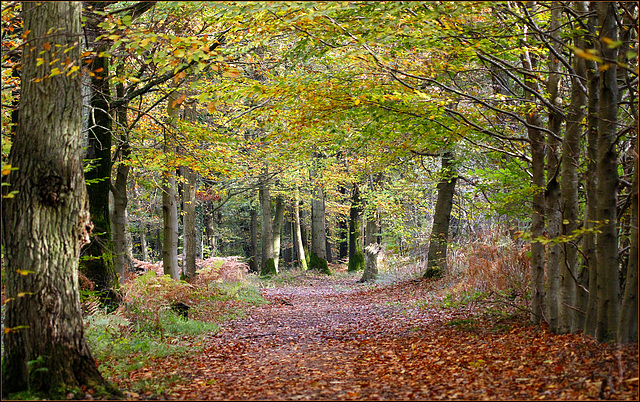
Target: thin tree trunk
253 233
267 266
189 219
143 243
356 258
608 284
45 224
170 204
567 320
590 265
298 232
277 230
536 138
119 191
318 260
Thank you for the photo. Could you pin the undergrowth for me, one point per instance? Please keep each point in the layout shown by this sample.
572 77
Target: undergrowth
148 325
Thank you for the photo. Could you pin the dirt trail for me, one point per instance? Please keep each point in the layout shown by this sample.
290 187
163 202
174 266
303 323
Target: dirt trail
336 340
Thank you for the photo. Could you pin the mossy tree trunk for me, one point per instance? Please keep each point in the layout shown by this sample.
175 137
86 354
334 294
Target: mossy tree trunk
98 263
278 219
46 223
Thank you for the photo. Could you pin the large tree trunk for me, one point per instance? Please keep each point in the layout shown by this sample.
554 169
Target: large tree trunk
98 264
438 241
277 230
552 193
536 138
267 266
608 283
567 321
47 221
343 231
298 232
170 203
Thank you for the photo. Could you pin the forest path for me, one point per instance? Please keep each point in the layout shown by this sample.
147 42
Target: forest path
333 339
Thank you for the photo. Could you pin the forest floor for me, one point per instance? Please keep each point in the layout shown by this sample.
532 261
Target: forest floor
330 338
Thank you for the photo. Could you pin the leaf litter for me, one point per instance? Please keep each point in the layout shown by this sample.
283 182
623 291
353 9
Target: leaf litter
328 338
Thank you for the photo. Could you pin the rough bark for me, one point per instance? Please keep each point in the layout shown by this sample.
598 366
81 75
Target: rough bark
45 224
371 251
298 232
170 204
438 241
608 283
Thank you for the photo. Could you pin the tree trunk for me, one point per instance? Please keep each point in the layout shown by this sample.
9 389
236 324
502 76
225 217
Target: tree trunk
567 321
529 64
143 243
277 230
267 266
590 265
318 257
47 221
98 264
253 233
628 324
552 193
298 232
356 258
343 229
119 191
371 251
437 256
608 285
189 219
170 203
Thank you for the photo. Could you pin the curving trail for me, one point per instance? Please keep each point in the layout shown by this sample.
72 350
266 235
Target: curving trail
333 339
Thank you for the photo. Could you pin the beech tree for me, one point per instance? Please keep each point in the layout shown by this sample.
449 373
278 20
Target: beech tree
47 221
